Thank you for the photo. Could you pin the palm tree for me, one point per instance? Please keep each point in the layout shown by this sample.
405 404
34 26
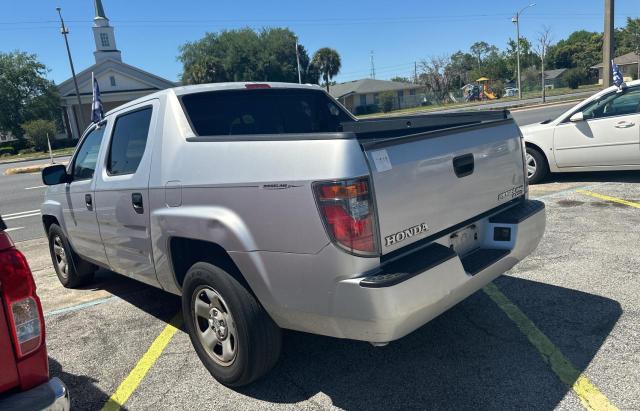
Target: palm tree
327 61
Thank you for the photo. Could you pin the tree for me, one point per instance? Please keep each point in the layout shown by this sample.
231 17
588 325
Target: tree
386 100
25 93
582 50
459 68
628 40
480 49
245 55
436 78
327 61
39 131
399 79
527 57
544 42
574 77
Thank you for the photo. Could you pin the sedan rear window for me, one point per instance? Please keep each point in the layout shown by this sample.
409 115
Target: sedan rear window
262 111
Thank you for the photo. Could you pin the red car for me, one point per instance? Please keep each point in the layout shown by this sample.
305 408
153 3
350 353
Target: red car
24 365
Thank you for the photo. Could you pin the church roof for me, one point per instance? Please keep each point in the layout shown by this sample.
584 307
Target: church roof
152 81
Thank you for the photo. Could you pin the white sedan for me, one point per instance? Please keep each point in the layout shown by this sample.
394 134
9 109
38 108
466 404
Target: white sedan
599 134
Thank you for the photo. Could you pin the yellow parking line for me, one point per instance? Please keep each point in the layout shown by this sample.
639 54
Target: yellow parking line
609 198
589 395
131 382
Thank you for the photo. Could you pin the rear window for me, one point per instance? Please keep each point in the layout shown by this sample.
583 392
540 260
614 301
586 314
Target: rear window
262 111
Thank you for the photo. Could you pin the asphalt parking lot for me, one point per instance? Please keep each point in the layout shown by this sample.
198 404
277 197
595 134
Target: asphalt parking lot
559 331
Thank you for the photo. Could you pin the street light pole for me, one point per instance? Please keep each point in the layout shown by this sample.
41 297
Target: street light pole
516 20
65 31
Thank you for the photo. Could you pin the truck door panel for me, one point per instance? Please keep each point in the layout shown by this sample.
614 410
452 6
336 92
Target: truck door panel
122 194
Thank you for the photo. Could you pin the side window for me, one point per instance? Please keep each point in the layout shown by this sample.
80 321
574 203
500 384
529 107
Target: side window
128 142
84 164
615 104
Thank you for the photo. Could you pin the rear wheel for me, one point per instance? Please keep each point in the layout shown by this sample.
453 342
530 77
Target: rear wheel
232 334
537 167
72 270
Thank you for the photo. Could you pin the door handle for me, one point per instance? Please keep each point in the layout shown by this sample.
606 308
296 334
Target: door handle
88 201
463 165
136 200
624 124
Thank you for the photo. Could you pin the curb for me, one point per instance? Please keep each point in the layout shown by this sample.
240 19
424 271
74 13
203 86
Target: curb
29 169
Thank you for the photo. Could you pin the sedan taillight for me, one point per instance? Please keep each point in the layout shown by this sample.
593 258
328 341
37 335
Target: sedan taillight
18 292
347 210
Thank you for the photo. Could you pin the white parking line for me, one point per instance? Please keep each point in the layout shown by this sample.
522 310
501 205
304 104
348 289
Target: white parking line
21 212
13 229
21 216
33 188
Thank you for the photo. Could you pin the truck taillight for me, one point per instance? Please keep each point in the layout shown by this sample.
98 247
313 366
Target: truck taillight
18 291
348 213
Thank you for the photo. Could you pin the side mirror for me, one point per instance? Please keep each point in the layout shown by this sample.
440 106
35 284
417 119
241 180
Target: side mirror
55 174
579 116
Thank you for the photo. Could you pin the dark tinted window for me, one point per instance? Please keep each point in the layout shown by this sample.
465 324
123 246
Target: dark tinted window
129 141
263 111
84 164
614 104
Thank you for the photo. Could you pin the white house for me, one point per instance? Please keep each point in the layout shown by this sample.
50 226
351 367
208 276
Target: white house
119 82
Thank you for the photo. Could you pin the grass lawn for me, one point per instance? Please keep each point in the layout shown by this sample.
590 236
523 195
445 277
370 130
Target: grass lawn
525 95
36 156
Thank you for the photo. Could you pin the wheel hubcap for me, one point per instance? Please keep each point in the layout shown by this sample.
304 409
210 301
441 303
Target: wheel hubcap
61 256
531 165
214 325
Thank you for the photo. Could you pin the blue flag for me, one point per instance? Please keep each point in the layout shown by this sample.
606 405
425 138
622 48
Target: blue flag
618 80
96 104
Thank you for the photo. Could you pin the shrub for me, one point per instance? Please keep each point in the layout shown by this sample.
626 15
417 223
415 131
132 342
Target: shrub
386 101
27 151
38 131
6 151
574 77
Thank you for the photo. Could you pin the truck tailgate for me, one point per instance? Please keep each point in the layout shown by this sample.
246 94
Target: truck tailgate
427 182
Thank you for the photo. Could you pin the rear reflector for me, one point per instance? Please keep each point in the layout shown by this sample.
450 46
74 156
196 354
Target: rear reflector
347 211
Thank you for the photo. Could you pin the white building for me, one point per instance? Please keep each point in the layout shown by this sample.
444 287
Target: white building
119 82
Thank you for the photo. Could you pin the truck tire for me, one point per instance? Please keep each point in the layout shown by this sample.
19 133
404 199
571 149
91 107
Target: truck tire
536 165
72 270
235 338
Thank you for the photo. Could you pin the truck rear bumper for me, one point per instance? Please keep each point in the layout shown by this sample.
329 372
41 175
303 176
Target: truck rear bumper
52 395
406 293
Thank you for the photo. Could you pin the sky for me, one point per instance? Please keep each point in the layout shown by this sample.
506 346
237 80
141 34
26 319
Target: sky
399 33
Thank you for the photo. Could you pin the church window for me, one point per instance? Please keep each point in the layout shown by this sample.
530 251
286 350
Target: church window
104 39
112 79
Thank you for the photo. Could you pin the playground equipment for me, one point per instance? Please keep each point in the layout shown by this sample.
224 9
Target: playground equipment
487 92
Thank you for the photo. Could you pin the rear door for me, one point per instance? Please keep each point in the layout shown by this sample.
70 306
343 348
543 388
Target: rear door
122 193
79 202
440 180
609 135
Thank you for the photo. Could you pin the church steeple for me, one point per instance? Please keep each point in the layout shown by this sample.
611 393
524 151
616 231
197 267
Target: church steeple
97 4
104 36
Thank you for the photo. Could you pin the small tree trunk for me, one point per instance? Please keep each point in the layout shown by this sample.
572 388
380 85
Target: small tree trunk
326 81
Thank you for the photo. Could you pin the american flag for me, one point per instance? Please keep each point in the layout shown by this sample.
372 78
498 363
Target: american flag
96 104
618 80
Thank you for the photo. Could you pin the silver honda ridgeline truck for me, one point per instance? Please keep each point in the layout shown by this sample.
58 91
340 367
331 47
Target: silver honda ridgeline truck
268 206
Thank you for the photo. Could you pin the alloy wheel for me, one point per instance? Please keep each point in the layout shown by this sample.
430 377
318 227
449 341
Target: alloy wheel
61 256
532 165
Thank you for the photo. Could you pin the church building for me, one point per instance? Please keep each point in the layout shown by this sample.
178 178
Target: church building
119 82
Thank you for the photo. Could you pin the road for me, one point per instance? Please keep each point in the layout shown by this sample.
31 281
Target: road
21 195
20 199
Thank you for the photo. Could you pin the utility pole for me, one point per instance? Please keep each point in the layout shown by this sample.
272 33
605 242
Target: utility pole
298 61
79 119
516 20
607 45
415 72
373 67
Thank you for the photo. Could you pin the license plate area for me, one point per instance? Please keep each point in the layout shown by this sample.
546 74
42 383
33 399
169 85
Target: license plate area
465 240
